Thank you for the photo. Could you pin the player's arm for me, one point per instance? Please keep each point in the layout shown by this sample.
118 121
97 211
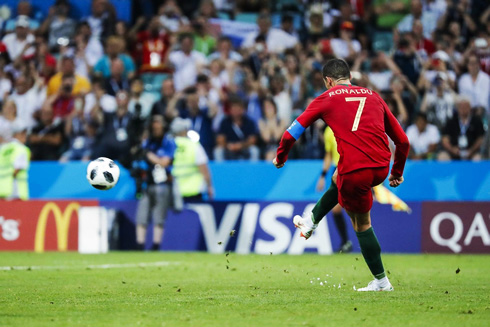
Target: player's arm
396 133
327 162
295 130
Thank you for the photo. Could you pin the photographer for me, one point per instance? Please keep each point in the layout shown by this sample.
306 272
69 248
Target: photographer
140 102
158 152
121 131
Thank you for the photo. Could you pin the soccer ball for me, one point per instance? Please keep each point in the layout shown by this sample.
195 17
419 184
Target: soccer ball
103 173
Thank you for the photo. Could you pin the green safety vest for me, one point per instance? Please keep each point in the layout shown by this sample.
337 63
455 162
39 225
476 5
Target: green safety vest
8 154
6 170
184 168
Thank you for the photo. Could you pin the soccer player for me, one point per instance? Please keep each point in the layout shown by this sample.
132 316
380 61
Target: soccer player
360 120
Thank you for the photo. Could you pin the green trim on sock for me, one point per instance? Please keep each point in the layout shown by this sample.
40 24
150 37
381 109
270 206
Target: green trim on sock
380 276
371 251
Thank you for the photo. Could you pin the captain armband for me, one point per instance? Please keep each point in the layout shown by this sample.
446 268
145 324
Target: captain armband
296 129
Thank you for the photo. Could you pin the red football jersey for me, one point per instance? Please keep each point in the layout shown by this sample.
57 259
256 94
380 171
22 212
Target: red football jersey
360 120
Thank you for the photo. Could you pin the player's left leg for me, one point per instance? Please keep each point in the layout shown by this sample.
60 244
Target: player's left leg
338 218
356 197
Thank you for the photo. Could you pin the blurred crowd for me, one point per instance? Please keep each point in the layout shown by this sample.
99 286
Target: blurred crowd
89 87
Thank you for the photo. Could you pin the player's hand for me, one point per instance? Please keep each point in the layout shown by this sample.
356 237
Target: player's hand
395 181
320 185
278 165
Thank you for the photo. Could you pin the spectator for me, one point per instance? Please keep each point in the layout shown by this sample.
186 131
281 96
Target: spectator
406 59
28 99
140 102
427 18
116 81
188 63
44 62
287 25
270 128
63 101
438 65
20 42
475 84
438 102
171 16
207 9
161 107
347 15
190 165
102 19
204 42
82 139
24 8
5 81
159 151
424 138
276 40
88 50
120 131
237 135
99 99
81 84
114 49
295 85
59 27
282 99
9 115
47 137
225 51
153 46
196 106
462 136
345 46
425 47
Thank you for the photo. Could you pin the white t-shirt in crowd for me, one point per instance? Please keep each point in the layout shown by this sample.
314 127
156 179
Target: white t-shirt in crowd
478 92
186 67
420 142
341 48
5 87
284 106
14 46
381 79
277 40
27 104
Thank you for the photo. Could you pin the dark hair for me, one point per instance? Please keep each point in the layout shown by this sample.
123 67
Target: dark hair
422 115
184 36
236 100
202 78
286 19
224 38
271 100
336 69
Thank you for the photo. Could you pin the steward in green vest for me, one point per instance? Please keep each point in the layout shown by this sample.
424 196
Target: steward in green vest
190 165
6 169
14 165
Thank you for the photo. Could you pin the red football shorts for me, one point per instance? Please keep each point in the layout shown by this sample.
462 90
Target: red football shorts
355 193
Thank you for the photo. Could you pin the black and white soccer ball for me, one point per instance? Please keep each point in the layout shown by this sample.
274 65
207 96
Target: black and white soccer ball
103 173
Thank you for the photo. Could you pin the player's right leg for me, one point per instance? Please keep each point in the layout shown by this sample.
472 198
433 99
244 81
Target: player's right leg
371 251
309 221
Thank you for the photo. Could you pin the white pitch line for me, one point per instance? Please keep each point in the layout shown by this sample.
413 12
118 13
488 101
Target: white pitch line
105 266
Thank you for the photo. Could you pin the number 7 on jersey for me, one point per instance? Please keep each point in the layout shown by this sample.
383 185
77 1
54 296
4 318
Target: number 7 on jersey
362 102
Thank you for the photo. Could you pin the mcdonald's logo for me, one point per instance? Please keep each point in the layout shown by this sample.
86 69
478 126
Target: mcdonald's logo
62 220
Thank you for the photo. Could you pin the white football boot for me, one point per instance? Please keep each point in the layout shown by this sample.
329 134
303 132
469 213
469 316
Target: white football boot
374 286
305 224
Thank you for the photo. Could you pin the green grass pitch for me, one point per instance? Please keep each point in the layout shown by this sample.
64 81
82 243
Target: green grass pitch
200 289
